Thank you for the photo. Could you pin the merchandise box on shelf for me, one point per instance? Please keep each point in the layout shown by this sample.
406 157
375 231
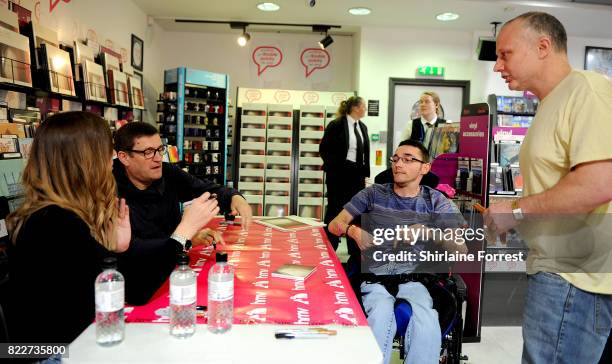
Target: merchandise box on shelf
15 54
119 87
93 81
8 20
136 95
38 36
58 69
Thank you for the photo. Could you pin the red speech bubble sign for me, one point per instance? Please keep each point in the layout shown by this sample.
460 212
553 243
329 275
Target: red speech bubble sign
266 57
337 98
253 95
311 97
282 96
313 59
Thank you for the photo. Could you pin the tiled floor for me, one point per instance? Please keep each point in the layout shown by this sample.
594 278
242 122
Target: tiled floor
501 345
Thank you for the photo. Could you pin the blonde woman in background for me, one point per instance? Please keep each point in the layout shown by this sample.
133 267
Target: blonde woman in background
345 150
421 128
69 222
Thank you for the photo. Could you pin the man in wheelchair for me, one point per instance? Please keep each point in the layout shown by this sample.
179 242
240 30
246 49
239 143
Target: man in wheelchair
399 225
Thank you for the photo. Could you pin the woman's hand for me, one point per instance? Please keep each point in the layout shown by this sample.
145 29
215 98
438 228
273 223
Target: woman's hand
123 229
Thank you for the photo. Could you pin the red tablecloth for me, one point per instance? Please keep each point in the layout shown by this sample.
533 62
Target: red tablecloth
325 297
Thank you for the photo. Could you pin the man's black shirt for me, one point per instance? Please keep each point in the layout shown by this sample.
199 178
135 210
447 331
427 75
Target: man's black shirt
154 215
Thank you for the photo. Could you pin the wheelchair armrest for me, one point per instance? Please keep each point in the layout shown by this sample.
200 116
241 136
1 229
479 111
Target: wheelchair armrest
461 288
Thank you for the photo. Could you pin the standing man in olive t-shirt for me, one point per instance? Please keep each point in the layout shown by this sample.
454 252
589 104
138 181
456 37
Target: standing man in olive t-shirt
564 214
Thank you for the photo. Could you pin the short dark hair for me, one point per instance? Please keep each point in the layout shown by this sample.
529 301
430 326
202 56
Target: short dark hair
417 144
546 24
127 134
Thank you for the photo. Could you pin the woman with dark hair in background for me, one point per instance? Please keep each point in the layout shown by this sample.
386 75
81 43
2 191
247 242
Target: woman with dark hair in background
70 220
345 151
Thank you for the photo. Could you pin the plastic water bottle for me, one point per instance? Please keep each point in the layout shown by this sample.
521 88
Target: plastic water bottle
220 296
183 299
110 294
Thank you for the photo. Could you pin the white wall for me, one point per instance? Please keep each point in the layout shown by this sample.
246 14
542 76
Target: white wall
363 62
397 52
112 20
576 48
219 52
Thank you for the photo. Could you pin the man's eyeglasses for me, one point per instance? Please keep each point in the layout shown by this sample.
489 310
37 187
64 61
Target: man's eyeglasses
406 160
149 153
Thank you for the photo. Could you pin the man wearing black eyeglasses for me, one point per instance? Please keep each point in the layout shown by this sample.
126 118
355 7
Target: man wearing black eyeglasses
154 190
405 202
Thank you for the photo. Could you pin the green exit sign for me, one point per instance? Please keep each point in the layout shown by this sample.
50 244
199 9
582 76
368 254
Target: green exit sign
430 71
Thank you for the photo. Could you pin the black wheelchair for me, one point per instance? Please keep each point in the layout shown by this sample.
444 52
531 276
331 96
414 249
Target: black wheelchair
449 296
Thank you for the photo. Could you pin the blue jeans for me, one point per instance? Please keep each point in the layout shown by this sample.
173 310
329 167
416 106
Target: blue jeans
562 323
423 337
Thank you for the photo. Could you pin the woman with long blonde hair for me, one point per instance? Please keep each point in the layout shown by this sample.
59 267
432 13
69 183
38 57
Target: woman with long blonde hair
345 150
70 220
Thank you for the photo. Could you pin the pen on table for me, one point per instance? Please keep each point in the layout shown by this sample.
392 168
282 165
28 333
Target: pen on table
303 335
313 330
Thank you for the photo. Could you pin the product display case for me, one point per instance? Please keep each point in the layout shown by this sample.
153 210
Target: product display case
279 164
252 155
293 170
310 173
197 121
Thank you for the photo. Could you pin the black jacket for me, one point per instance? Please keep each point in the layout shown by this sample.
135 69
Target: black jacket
335 144
418 131
154 215
52 270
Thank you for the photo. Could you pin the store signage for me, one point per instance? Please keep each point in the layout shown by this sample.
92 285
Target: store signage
310 97
266 57
253 95
373 107
53 4
313 59
281 96
337 98
430 71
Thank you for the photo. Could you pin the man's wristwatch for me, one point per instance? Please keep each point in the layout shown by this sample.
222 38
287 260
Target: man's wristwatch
517 212
186 243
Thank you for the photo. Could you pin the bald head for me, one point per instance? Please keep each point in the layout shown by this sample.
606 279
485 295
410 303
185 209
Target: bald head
543 24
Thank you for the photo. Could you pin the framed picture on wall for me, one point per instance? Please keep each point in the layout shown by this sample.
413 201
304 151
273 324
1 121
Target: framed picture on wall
598 59
137 52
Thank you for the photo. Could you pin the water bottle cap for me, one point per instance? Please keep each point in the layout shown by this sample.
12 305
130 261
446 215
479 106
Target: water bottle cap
221 257
183 259
109 263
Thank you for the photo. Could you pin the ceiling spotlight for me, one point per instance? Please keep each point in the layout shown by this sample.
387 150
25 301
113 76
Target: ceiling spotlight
359 11
243 38
447 16
325 42
268 6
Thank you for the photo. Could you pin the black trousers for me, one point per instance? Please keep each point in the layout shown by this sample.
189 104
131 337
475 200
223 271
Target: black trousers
342 185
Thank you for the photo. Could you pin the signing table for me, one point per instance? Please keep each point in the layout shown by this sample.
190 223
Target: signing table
262 304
